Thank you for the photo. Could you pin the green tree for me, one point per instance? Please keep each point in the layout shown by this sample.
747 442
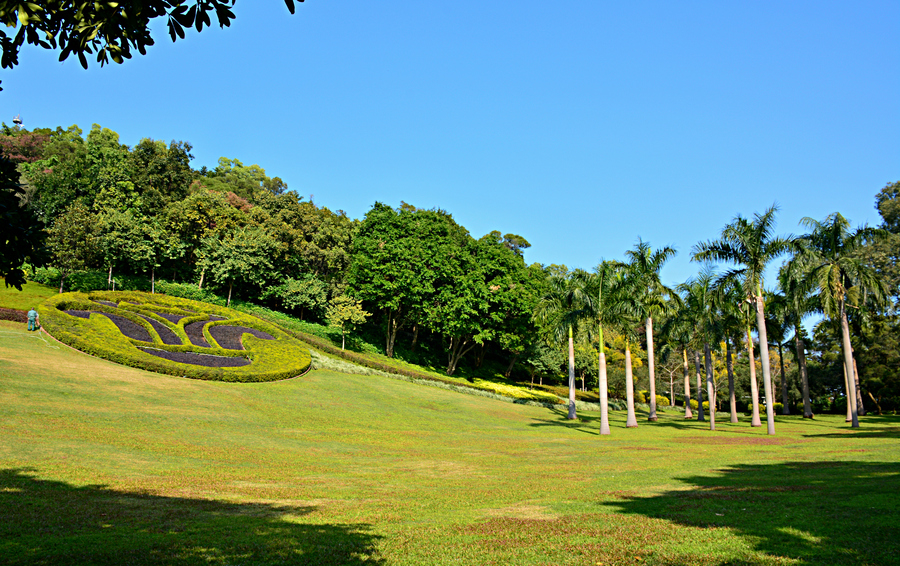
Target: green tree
109 29
750 246
22 234
345 313
700 299
654 298
563 309
73 241
241 255
840 278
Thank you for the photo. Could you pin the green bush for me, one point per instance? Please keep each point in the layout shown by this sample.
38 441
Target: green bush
694 405
641 396
281 358
662 401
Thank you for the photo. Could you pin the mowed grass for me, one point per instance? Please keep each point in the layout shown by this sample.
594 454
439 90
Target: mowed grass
31 295
103 464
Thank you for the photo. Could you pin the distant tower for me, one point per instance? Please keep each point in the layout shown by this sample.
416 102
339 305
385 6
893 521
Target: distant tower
17 120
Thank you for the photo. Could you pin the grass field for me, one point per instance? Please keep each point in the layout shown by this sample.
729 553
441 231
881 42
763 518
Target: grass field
103 464
31 295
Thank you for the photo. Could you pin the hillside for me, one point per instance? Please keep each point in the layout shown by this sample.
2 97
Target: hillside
107 464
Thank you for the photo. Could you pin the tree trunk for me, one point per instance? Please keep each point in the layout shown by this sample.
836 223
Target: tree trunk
785 402
629 388
202 273
109 277
700 414
849 418
710 386
228 302
848 367
764 361
604 401
62 279
754 384
672 389
457 351
152 280
804 379
415 340
512 363
571 415
688 413
342 339
874 400
391 333
859 396
732 399
479 359
651 366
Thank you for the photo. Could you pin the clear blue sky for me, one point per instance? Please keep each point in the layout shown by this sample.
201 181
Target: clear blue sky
580 125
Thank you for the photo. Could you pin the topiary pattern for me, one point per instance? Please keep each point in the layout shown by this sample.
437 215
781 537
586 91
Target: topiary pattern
174 336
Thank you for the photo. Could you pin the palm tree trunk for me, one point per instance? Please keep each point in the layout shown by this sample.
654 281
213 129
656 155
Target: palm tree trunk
710 386
700 414
732 399
604 402
849 418
109 277
754 384
671 389
804 379
859 395
631 422
764 361
785 403
652 367
688 414
571 415
848 367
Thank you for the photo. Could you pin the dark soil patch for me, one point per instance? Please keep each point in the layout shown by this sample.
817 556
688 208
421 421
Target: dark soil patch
128 328
169 316
198 359
229 337
107 303
165 333
194 330
79 314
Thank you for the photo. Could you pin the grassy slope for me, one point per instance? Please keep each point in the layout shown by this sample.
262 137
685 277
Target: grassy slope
31 295
107 464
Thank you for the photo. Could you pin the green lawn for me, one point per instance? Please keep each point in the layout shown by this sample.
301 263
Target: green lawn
31 295
104 464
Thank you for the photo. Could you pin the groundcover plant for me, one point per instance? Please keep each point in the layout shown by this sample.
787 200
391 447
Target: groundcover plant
174 336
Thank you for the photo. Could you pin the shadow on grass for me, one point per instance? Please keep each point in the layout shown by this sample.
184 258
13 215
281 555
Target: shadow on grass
51 522
812 512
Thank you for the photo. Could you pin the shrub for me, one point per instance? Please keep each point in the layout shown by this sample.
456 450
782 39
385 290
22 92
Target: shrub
641 396
275 359
662 401
694 405
13 315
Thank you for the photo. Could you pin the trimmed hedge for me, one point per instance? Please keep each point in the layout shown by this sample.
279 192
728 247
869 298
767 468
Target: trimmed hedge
281 358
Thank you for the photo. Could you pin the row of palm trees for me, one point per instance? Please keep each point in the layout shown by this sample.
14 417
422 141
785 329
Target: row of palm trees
824 273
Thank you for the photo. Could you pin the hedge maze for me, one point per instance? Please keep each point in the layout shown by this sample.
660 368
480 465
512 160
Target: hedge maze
174 336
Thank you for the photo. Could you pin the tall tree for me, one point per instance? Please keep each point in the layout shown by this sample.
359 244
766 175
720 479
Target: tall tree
840 278
750 245
700 298
599 288
73 241
653 298
563 309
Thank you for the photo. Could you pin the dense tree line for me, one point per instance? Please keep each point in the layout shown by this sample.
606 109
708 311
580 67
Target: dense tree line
419 284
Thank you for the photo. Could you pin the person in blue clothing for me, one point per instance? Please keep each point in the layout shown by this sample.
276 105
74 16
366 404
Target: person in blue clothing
32 320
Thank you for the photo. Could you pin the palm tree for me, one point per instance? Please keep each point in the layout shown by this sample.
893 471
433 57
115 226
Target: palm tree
840 278
561 311
599 286
678 331
751 246
644 266
700 298
790 281
777 325
623 313
729 300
